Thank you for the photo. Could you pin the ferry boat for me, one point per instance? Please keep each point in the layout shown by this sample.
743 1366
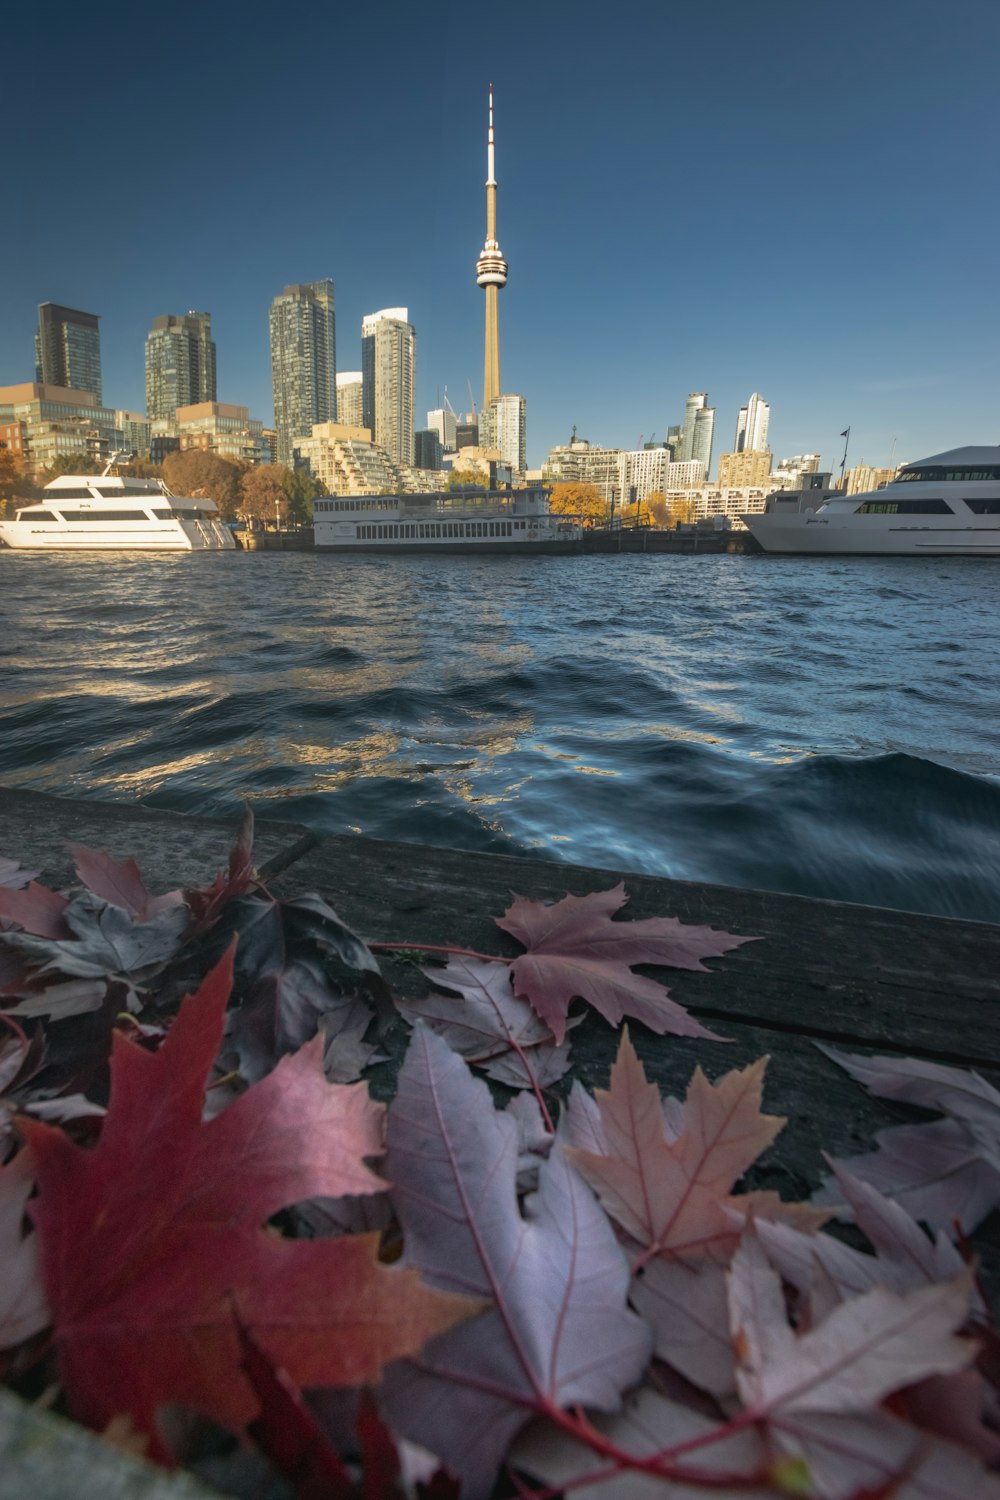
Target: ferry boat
459 520
85 513
947 505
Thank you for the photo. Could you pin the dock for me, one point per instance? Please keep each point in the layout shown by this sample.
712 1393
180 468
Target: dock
854 977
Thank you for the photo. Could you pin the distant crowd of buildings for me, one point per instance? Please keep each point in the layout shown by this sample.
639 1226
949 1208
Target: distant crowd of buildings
354 430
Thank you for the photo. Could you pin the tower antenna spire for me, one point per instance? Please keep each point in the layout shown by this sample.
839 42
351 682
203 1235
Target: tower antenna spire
491 272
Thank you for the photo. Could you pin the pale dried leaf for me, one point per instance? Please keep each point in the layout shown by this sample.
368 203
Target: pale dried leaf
23 1310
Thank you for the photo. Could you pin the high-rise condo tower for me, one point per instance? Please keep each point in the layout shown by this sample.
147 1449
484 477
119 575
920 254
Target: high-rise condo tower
491 275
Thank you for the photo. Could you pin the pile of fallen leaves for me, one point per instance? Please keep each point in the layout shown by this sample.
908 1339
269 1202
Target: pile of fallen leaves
217 1248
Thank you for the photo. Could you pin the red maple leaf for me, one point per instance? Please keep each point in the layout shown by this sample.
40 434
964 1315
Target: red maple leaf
152 1248
575 949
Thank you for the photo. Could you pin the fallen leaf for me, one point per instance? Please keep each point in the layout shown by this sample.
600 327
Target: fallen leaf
120 883
105 941
36 910
674 1197
649 1423
818 1393
151 1242
943 1171
23 1309
206 903
688 1311
558 1331
576 950
490 1026
14 875
280 961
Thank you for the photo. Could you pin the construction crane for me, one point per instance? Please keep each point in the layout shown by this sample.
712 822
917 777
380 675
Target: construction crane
472 399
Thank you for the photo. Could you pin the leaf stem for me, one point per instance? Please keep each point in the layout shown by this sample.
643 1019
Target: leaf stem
8 1020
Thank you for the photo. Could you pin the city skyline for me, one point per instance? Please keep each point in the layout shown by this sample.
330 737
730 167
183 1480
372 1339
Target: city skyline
822 294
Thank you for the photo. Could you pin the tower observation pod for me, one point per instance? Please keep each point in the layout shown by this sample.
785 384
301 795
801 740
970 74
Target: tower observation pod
491 275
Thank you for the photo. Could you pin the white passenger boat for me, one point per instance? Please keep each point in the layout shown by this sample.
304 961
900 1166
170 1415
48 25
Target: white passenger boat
944 506
111 513
460 520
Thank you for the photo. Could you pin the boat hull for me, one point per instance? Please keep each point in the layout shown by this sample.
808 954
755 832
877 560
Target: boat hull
485 547
805 536
186 536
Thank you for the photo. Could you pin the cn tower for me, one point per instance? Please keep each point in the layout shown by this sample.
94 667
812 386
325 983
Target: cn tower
491 275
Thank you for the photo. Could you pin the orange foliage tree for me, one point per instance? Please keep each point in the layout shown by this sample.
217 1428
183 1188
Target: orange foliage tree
574 499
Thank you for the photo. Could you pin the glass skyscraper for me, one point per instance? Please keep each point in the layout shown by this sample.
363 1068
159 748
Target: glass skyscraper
303 362
68 349
698 431
180 364
388 380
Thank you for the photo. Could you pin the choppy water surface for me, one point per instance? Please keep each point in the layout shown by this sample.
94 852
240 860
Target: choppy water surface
822 726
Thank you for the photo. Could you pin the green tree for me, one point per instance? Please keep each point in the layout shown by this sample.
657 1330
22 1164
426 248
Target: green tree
460 477
301 489
197 472
73 463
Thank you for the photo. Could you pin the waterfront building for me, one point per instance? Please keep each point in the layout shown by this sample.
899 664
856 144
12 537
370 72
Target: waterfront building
503 426
751 426
349 407
180 363
798 463
270 436
56 421
864 477
346 461
68 349
467 433
136 431
748 467
444 423
627 476
697 432
303 361
219 427
705 502
162 443
491 274
388 376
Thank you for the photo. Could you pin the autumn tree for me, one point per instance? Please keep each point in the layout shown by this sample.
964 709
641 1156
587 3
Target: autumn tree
140 468
13 481
681 512
656 506
262 493
197 472
574 499
72 463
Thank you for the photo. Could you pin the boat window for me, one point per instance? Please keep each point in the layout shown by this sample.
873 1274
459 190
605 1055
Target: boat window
165 515
904 508
984 507
37 515
937 474
90 516
123 490
70 492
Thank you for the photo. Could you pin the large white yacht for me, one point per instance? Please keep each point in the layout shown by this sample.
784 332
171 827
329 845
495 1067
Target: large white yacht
459 520
947 505
107 512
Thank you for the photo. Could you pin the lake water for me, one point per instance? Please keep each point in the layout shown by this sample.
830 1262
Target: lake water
822 726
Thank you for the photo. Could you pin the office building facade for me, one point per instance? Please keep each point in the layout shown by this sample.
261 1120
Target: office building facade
388 380
302 326
180 364
445 424
68 349
742 469
751 426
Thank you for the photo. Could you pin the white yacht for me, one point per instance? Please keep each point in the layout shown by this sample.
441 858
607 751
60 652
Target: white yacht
944 506
459 520
110 513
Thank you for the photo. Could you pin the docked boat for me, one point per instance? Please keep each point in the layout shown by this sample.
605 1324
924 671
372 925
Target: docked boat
460 520
108 512
944 506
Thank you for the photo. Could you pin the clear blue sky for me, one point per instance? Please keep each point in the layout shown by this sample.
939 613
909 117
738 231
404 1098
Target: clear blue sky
792 196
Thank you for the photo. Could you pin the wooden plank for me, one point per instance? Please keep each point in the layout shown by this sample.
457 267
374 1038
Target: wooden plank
848 974
171 849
